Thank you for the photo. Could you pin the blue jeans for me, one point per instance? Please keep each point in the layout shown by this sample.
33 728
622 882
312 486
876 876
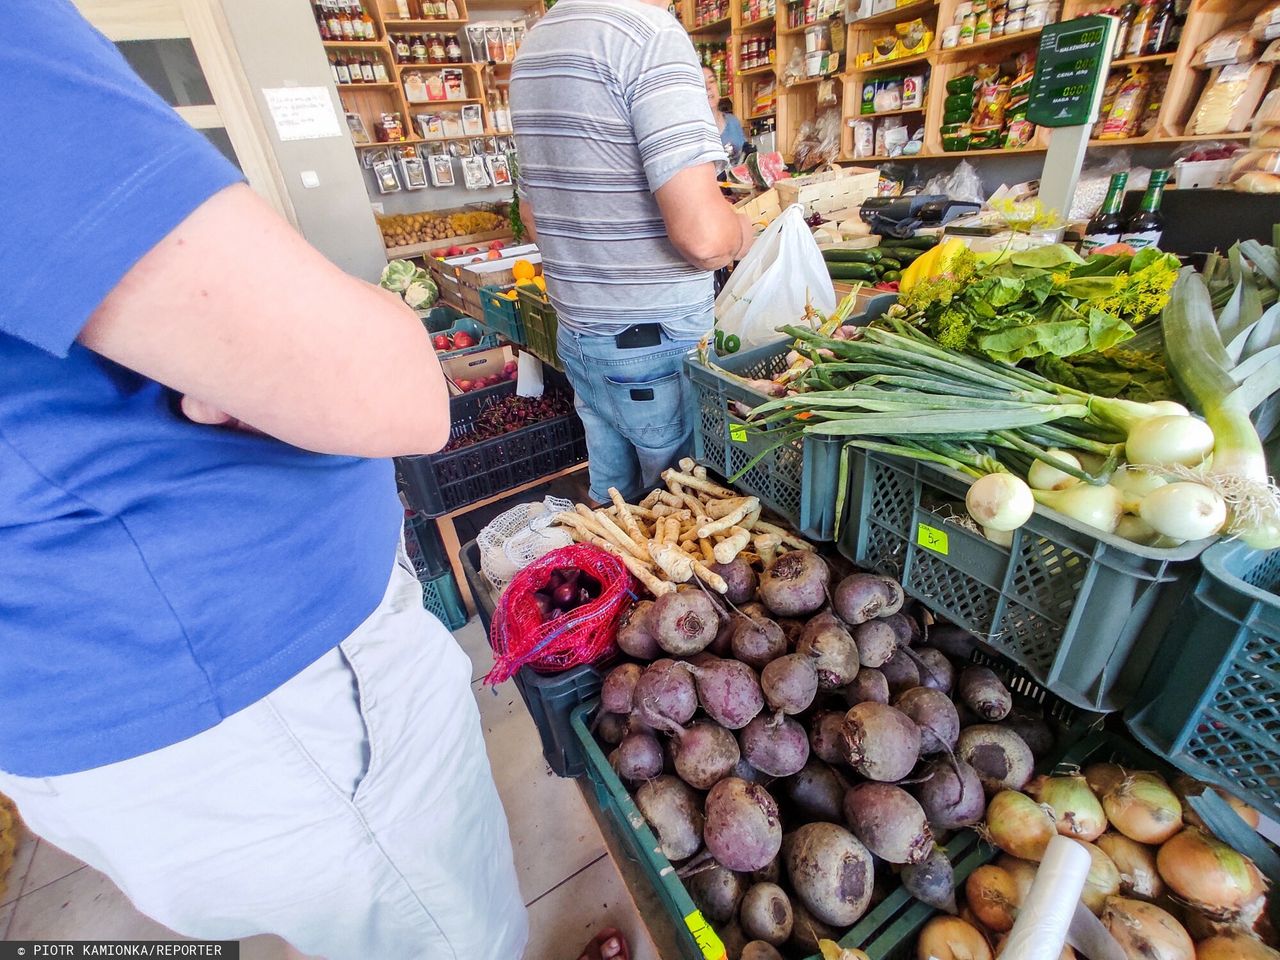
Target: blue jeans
632 403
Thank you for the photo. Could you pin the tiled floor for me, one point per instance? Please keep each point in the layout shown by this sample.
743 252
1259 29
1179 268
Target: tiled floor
569 881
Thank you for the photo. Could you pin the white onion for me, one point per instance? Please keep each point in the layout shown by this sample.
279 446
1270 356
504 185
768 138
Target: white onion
1169 440
1168 408
1098 507
1002 537
1043 475
1000 501
1184 510
1136 530
1135 483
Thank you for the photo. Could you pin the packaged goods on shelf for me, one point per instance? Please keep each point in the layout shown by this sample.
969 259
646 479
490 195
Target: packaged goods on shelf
1229 98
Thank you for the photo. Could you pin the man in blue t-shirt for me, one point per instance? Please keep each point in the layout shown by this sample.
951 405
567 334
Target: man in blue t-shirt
219 684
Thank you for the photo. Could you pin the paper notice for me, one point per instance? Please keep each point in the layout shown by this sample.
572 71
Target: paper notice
303 113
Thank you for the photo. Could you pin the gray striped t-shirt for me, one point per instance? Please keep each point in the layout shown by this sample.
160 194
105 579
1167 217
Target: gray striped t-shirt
608 103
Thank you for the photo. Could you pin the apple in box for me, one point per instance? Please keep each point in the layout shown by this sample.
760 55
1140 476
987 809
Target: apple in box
479 370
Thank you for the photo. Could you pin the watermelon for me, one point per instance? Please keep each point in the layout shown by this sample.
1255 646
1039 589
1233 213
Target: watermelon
766 168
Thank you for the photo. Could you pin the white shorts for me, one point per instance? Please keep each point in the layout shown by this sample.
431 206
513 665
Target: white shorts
352 811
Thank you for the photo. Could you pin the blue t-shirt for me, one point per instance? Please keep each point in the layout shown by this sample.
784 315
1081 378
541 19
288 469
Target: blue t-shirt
734 137
156 575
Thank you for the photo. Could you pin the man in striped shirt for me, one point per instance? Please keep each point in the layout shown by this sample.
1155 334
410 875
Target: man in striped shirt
617 180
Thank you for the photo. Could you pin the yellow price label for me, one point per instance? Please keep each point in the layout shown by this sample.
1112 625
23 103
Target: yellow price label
931 538
705 937
738 432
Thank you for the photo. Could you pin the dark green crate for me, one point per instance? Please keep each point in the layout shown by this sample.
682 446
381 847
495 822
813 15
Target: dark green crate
796 480
501 315
540 324
423 545
441 598
1082 611
1213 709
445 319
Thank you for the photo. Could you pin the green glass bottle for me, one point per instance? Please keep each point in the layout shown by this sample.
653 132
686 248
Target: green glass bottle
1107 225
1145 227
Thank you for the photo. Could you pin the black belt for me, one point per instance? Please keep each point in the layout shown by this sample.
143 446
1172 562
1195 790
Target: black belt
639 335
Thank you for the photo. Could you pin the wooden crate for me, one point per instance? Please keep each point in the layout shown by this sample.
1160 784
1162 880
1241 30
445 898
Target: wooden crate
762 209
831 192
412 250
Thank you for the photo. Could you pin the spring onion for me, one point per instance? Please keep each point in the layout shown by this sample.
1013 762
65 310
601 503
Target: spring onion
1094 506
1000 501
1047 473
1168 441
1184 510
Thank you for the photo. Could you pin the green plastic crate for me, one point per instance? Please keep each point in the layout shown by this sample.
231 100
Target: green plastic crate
501 315
441 597
796 480
540 324
1082 611
1213 709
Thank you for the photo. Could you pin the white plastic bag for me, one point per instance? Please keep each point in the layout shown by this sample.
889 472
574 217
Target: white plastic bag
783 271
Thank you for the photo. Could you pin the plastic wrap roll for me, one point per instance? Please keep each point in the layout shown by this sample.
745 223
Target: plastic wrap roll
1041 927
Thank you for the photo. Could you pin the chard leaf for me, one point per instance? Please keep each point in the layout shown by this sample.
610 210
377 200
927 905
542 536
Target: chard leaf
1105 330
1039 288
1144 258
1046 257
1088 288
1018 343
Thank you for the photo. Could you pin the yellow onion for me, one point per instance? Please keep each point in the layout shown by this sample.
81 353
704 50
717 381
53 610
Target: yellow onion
1143 808
1137 865
950 938
1235 946
992 895
1209 875
1023 873
1103 880
831 950
1185 786
1018 825
1077 811
1066 954
1101 777
1144 930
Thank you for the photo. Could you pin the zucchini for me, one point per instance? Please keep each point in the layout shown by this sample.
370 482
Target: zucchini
851 256
924 242
904 255
889 263
890 276
852 271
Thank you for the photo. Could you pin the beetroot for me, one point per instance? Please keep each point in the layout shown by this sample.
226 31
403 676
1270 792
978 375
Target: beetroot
876 641
634 638
673 810
618 687
1033 729
759 950
901 672
889 821
1001 757
742 829
932 881
833 650
796 584
745 771
905 628
665 692
880 742
722 645
953 641
684 622
790 683
740 577
983 692
830 871
766 915
825 741
816 792
792 630
638 757
705 753
951 795
771 872
611 727
934 713
776 747
807 930
936 671
864 596
717 892
757 642
868 686
729 691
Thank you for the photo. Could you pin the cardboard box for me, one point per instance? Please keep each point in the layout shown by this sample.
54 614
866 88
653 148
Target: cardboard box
473 366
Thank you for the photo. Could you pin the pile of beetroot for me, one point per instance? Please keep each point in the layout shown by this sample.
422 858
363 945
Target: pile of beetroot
800 748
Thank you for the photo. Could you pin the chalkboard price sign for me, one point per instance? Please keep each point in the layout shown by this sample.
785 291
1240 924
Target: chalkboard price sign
1070 65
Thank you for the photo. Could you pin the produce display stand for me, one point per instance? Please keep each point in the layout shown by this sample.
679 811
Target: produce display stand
412 250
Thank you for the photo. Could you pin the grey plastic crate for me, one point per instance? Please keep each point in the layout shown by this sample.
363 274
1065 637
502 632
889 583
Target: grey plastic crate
797 480
1082 611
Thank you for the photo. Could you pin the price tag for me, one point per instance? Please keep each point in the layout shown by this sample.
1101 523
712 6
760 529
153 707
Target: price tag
738 432
705 937
931 538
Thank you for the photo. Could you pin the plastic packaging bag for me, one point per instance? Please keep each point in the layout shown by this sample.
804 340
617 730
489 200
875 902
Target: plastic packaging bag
783 272
515 538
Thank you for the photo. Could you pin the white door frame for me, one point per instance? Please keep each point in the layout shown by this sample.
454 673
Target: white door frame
204 24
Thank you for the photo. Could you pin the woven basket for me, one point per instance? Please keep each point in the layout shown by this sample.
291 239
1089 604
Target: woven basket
840 190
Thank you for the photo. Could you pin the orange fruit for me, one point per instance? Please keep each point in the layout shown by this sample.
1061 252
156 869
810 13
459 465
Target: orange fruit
523 270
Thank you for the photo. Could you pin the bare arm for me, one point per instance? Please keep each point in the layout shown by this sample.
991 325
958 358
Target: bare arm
237 312
702 225
526 217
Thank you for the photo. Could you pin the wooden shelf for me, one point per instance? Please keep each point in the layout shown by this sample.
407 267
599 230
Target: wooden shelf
390 143
757 71
1152 58
884 113
942 154
423 26
1149 141
422 104
349 87
466 64
761 116
354 44
713 26
906 11
792 31
810 81
889 64
758 24
956 53
993 152
464 136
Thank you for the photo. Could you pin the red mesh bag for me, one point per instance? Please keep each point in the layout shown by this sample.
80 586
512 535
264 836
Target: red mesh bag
519 635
